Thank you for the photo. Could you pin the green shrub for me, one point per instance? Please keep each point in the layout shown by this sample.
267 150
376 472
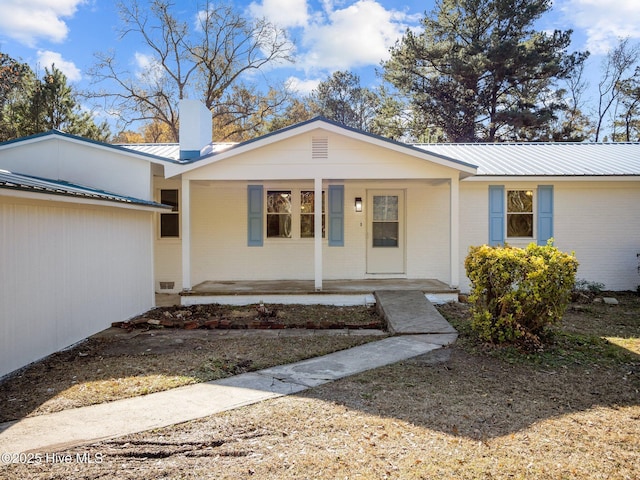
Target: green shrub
583 285
516 293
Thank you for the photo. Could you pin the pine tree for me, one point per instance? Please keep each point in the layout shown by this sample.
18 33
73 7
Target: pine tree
341 98
54 107
17 81
479 70
29 106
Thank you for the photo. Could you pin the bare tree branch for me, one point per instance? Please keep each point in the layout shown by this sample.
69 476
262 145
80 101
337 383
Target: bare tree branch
207 60
618 62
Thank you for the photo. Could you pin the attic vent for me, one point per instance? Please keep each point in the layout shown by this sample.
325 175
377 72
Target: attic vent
319 147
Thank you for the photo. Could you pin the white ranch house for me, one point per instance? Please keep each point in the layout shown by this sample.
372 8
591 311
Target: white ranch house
250 212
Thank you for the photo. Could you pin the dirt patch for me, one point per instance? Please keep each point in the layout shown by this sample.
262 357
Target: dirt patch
261 316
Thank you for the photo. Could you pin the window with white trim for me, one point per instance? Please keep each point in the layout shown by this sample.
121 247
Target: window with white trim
291 211
170 222
519 213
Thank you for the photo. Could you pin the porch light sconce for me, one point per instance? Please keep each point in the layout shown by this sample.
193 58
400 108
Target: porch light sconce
358 204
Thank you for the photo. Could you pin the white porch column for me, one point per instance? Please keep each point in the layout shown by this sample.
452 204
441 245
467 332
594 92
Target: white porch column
454 232
317 229
185 233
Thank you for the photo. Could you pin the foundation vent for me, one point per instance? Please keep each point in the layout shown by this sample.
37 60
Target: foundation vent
167 285
319 148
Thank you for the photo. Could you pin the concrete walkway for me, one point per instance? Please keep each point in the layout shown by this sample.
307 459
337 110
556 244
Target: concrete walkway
408 312
56 431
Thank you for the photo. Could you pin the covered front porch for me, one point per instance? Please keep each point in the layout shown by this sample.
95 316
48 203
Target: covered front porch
334 292
339 211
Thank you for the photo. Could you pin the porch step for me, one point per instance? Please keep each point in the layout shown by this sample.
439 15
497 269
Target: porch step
409 312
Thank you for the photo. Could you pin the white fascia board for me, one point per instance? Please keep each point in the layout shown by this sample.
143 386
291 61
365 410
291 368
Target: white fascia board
8 192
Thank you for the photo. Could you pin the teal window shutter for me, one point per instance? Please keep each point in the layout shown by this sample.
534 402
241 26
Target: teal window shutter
255 218
545 213
336 215
496 214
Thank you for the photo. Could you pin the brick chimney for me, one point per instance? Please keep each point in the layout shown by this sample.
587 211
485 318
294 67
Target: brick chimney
195 128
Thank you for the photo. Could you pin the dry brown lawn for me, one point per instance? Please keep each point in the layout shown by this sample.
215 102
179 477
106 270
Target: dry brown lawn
119 363
466 412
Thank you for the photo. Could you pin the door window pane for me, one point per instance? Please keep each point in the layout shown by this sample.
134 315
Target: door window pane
385 208
385 226
385 234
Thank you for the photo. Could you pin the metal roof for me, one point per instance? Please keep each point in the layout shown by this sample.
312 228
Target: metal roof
172 150
28 183
545 159
491 159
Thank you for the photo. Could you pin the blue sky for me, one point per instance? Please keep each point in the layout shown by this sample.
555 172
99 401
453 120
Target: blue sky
330 35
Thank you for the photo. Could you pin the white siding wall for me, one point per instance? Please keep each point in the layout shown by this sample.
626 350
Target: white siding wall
599 221
81 163
66 272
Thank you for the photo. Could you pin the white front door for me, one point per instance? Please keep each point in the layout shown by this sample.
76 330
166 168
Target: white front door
385 232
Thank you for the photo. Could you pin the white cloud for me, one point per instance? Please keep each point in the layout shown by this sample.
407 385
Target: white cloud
46 58
303 87
357 35
603 21
27 21
149 69
284 13
340 34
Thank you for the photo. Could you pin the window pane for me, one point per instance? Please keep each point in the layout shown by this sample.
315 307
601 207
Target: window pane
307 209
169 225
307 203
385 208
279 213
385 234
307 226
520 201
279 225
169 197
279 202
519 225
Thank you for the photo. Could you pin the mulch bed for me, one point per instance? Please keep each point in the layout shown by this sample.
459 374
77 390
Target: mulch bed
215 316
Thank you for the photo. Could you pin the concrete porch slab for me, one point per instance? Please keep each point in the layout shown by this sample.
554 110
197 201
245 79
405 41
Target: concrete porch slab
334 292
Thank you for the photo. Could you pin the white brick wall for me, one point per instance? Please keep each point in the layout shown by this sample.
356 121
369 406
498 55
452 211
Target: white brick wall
600 221
219 236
